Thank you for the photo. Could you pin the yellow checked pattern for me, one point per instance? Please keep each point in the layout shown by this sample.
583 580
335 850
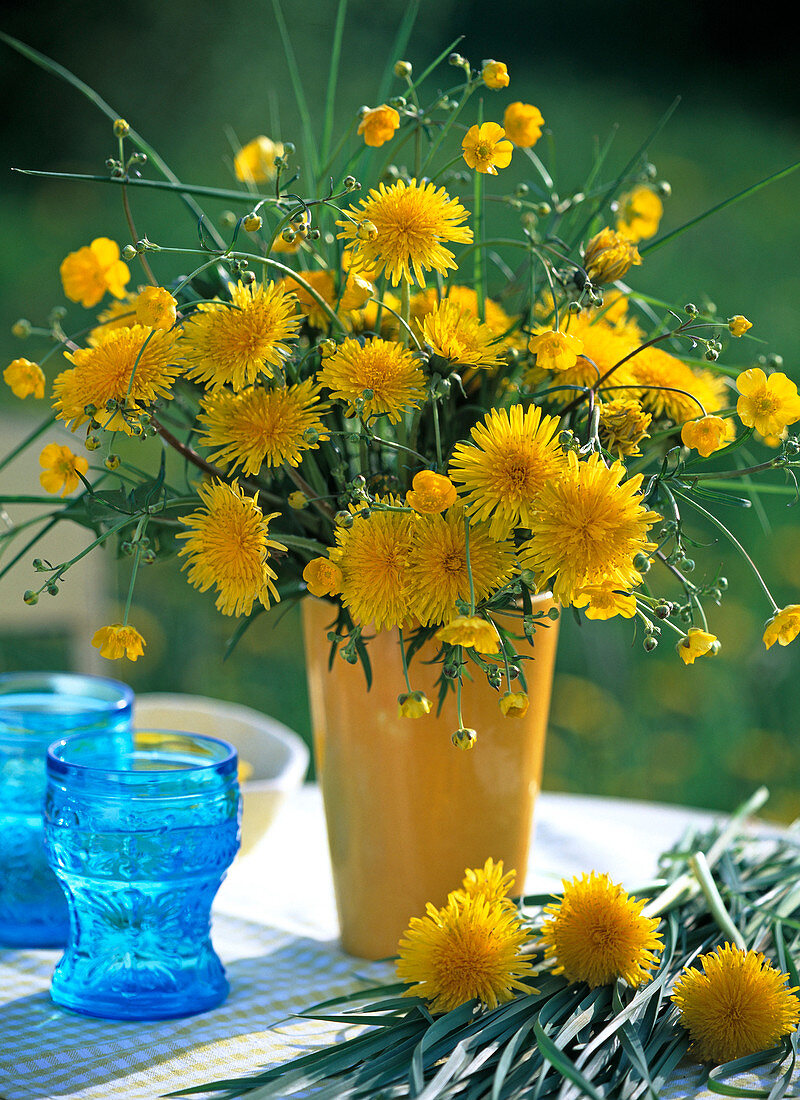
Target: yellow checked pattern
48 1053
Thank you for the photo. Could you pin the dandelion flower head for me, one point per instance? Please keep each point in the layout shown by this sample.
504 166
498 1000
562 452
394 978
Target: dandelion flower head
381 375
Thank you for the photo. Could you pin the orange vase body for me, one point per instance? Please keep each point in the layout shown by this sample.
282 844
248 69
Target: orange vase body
406 811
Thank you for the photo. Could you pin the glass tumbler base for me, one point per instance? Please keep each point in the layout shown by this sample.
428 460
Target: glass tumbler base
138 1005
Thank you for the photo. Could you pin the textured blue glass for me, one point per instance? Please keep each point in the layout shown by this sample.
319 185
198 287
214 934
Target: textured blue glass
140 829
35 709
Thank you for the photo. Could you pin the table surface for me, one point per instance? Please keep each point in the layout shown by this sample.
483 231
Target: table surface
275 929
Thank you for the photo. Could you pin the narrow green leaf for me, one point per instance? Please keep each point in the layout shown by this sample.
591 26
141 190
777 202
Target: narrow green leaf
309 141
333 76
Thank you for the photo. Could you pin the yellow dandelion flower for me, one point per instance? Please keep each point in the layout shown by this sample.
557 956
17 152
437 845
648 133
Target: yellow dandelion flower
227 547
118 641
373 558
378 125
495 75
352 295
622 426
382 374
697 643
495 317
523 124
640 212
471 949
784 626
768 404
236 343
260 425
438 564
471 631
739 325
156 307
555 351
413 223
705 435
459 337
604 601
132 366
738 1005
514 704
609 255
88 273
25 378
119 314
490 881
255 162
60 469
669 388
414 704
430 493
514 455
485 150
597 934
587 527
323 577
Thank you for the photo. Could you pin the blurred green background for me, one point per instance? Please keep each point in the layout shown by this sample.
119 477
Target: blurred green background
623 722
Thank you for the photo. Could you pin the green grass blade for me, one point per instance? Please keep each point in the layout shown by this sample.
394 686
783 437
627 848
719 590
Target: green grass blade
401 40
309 141
229 195
721 206
94 97
333 76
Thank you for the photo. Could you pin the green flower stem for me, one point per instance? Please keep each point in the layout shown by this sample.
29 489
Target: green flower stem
458 691
61 569
469 567
732 538
702 873
159 185
40 430
300 482
477 260
403 659
437 432
448 126
30 543
137 557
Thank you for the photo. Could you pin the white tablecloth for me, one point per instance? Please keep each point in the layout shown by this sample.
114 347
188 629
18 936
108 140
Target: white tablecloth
275 929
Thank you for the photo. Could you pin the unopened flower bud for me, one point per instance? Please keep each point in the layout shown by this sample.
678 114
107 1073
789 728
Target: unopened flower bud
52 589
553 614
148 557
129 253
289 148
121 128
252 223
343 519
30 597
327 348
650 643
664 189
112 462
21 329
690 309
641 563
92 443
311 436
248 278
288 235
457 60
227 219
403 69
39 565
367 230
351 183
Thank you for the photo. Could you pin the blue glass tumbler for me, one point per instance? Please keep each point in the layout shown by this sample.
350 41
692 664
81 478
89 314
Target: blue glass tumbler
35 709
140 828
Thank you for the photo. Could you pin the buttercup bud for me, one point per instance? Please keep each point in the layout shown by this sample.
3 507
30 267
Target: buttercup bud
121 128
464 738
252 223
402 69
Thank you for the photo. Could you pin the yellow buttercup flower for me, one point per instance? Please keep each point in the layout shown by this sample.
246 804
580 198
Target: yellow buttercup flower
640 214
739 325
255 162
60 469
459 337
414 704
378 125
514 704
88 273
705 435
227 547
768 404
373 557
738 1005
380 374
587 527
555 351
25 378
609 255
470 949
523 124
597 934
235 344
156 307
260 425
604 601
119 641
430 493
515 453
413 222
495 75
623 425
323 577
133 367
438 563
471 631
485 150
697 643
784 626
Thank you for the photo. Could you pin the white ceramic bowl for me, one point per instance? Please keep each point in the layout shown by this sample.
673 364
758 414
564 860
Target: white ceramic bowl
279 758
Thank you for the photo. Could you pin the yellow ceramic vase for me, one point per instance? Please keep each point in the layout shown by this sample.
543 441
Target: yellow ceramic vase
406 811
